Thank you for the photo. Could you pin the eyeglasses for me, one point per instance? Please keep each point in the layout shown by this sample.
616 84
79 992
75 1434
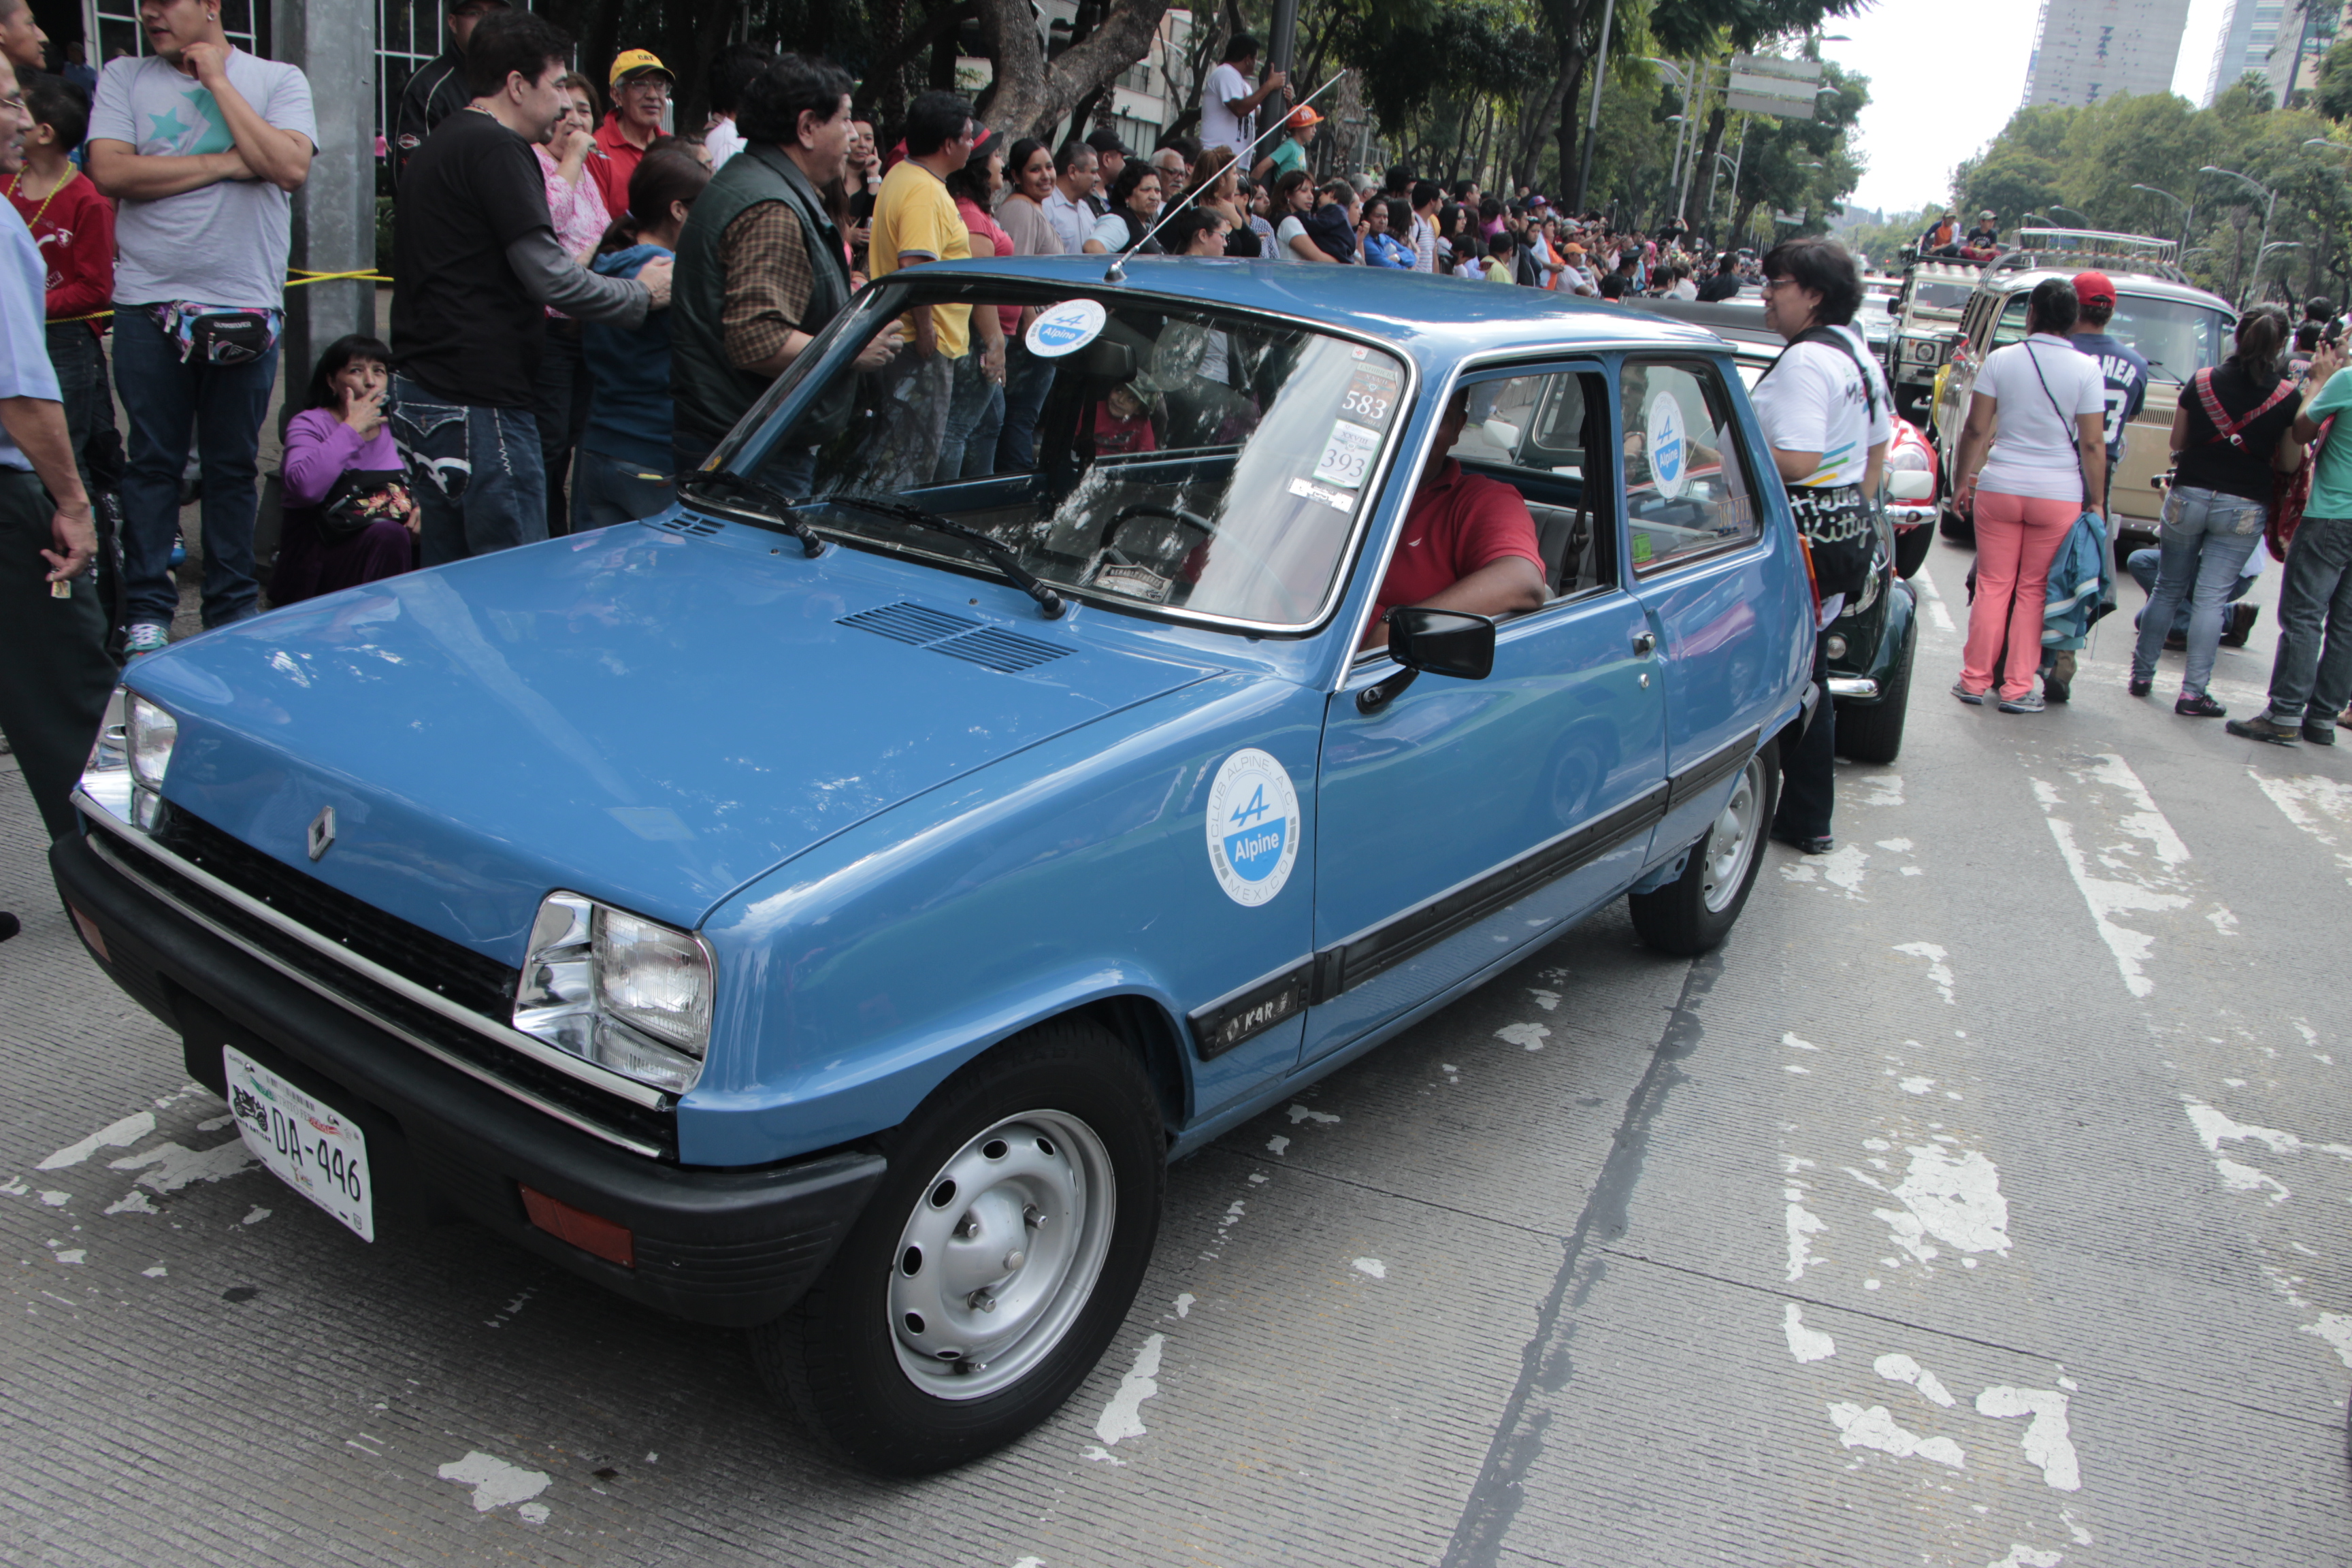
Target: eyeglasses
656 87
15 103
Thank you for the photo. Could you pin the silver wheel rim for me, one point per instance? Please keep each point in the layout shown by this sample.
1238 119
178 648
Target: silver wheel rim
1001 1254
1730 844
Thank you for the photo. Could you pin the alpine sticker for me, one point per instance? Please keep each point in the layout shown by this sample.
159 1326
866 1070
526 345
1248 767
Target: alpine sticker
1065 327
1253 828
1669 447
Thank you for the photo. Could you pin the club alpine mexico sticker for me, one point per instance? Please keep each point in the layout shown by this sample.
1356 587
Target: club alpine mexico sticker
1253 826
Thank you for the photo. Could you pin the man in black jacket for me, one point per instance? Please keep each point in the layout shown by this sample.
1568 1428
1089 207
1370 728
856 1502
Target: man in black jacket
438 89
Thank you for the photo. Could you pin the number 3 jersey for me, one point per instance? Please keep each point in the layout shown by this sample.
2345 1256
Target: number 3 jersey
2126 375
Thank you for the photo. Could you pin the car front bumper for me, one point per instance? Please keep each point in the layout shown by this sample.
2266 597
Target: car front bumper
727 1246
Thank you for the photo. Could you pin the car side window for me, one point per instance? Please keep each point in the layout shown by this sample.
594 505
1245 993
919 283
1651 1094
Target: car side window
1687 487
1546 435
2011 328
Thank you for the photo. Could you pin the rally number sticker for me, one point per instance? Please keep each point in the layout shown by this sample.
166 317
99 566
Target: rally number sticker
1253 828
1065 327
1348 455
1670 465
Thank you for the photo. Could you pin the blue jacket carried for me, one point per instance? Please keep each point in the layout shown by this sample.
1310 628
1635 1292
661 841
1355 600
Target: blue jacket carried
2082 586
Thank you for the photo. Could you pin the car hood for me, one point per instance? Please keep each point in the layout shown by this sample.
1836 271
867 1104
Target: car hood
648 718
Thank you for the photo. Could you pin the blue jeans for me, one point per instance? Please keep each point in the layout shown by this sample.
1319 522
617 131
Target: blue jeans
2142 565
1027 382
2201 553
607 489
975 417
83 387
480 484
166 400
2310 679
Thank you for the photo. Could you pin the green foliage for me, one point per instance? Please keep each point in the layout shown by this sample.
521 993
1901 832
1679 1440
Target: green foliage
1481 46
2333 97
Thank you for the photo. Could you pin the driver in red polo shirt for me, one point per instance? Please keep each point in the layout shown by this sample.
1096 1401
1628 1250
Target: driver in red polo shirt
1468 542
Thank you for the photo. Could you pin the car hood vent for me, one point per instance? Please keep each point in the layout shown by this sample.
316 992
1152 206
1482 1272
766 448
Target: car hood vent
955 636
687 522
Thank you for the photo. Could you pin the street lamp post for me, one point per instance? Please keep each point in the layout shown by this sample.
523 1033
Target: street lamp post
2255 283
1592 120
2270 202
2187 210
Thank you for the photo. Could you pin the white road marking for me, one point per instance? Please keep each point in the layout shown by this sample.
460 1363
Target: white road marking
496 1483
2139 870
1299 1113
1531 1036
1372 1266
1185 1304
1121 1417
1938 972
1956 1201
1842 867
2045 1441
1801 1225
120 1135
1901 1368
1936 611
2023 1556
1276 1145
55 1200
1547 1000
176 1167
1875 1428
1804 1343
133 1202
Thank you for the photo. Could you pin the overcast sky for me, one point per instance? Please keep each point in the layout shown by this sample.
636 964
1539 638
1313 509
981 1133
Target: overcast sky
1945 77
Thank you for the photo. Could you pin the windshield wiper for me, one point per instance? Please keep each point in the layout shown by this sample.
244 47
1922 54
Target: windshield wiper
786 508
1003 555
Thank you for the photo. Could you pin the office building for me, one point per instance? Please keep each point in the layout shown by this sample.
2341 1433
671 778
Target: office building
2249 32
2088 50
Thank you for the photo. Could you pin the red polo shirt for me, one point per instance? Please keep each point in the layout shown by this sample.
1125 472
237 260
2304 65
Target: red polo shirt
612 170
1458 523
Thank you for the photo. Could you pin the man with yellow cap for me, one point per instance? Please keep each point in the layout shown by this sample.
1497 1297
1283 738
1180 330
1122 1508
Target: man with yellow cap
641 85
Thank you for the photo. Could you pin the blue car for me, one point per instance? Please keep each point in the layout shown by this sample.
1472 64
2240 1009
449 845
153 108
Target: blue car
825 908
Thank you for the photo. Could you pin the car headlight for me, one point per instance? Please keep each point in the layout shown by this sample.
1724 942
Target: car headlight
130 757
629 994
1910 457
148 735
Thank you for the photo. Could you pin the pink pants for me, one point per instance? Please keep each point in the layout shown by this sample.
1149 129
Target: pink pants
2017 539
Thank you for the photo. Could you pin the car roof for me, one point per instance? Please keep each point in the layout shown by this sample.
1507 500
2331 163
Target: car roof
1739 321
2138 284
1436 319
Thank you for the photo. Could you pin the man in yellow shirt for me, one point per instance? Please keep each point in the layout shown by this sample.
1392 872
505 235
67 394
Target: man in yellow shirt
916 221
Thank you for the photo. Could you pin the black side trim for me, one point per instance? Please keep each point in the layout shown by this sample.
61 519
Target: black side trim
1713 768
1220 1026
1348 964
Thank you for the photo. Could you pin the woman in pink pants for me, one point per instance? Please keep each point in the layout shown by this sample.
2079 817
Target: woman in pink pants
2040 407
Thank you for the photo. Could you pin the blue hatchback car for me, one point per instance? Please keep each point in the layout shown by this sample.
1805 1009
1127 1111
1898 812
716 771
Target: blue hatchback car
825 908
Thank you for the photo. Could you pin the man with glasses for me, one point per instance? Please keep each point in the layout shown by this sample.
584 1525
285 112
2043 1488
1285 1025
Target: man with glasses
439 91
640 86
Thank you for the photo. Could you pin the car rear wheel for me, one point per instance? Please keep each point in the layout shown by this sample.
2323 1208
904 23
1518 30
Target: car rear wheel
1873 731
1692 913
994 1263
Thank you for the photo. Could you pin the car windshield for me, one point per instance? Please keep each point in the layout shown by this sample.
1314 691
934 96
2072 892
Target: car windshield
1208 462
1941 296
2176 337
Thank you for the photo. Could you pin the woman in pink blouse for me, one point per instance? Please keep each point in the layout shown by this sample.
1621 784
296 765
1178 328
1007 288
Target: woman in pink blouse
577 206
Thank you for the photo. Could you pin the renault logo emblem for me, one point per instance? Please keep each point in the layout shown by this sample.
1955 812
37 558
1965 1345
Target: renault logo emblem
322 831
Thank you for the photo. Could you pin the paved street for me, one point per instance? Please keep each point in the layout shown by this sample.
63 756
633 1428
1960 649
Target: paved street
1982 1203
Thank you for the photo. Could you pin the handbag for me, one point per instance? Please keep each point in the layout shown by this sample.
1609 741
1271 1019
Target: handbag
362 496
2292 495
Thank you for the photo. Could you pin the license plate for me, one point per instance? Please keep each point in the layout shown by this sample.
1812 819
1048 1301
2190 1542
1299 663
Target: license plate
306 1143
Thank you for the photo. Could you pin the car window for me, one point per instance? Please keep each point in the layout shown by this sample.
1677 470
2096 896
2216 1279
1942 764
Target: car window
1188 459
2176 337
1536 432
2011 328
1687 487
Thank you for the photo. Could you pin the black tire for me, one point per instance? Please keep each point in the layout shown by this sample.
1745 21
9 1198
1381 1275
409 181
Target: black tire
2241 624
838 1355
1911 547
1692 913
1873 731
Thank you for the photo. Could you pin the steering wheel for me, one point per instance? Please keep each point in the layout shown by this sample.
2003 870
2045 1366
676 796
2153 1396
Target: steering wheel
1266 572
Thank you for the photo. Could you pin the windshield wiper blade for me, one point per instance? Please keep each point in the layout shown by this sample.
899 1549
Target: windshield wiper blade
1003 555
786 508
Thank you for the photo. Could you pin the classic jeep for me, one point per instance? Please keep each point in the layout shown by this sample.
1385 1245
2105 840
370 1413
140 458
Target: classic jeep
1927 311
824 908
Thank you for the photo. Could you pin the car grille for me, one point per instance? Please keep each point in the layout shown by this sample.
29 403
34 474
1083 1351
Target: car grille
478 983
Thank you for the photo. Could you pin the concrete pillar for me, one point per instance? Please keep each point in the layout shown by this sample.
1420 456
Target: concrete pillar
334 43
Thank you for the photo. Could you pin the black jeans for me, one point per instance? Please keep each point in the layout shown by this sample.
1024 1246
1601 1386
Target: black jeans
54 652
1809 767
560 406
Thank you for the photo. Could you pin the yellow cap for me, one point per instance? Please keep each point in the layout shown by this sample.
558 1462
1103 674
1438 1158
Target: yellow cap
637 62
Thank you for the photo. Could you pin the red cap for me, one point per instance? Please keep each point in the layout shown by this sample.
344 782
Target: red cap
2094 285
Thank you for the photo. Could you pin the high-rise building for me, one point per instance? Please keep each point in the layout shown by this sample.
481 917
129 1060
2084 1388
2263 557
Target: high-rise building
2087 51
2248 33
2307 26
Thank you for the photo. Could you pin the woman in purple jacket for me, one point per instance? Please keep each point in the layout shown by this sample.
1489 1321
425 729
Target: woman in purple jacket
349 516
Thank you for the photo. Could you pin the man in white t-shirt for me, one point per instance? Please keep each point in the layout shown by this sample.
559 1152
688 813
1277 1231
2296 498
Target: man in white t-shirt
1229 104
201 146
1826 415
730 73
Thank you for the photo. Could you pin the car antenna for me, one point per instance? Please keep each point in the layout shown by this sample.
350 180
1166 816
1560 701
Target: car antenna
1117 272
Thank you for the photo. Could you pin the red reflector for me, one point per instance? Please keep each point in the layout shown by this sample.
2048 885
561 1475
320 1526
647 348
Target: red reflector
588 1232
90 934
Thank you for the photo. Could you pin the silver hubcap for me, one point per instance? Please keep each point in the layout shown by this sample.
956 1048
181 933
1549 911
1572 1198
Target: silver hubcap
1001 1254
1731 843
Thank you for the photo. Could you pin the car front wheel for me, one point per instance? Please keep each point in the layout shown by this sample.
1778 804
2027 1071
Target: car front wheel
1692 913
993 1265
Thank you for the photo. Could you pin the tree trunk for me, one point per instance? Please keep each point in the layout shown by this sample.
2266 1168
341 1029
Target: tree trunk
1747 216
709 37
1538 127
889 107
1571 141
1030 94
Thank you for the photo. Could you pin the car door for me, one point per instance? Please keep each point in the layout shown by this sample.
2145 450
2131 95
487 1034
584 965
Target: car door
1469 816
1728 627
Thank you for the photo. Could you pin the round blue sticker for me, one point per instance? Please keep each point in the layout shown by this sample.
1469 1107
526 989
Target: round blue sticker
1669 448
1253 826
1065 327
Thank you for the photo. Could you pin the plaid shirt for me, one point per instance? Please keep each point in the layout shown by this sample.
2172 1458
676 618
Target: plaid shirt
768 283
1424 244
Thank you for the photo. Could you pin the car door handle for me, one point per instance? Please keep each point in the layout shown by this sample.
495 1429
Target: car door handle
1644 644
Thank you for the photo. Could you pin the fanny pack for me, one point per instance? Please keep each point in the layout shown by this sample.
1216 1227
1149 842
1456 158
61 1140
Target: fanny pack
218 334
360 497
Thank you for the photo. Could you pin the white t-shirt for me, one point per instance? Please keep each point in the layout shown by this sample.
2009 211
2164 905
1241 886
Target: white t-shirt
1814 400
722 142
1293 227
2035 451
224 244
1683 289
1219 127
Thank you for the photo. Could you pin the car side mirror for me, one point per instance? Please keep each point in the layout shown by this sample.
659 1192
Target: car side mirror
1910 485
1443 642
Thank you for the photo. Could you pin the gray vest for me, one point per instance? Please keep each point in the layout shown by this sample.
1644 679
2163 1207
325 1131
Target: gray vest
710 391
